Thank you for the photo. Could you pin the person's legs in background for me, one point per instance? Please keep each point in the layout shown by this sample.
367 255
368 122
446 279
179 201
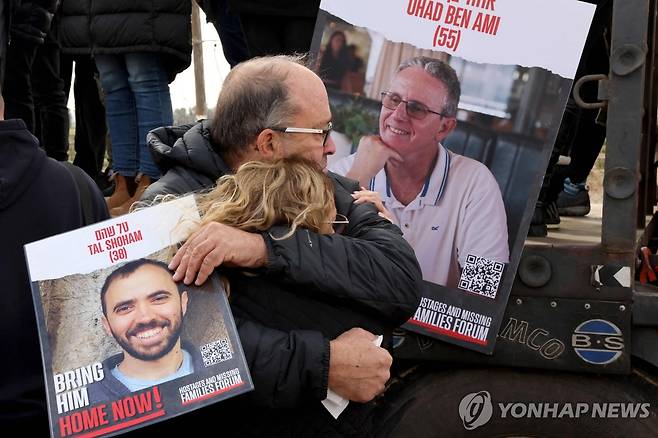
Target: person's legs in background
579 133
150 88
137 100
92 137
30 22
90 126
17 88
50 111
546 211
121 115
573 199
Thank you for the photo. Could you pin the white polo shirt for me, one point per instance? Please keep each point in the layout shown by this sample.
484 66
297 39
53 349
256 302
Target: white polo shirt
458 212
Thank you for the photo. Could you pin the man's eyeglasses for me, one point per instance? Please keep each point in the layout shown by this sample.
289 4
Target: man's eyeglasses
290 130
415 110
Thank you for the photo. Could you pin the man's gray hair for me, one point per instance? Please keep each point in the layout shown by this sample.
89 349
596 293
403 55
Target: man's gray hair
444 73
254 96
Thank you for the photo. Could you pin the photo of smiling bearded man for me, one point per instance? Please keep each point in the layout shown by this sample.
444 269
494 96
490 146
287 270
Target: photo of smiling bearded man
143 309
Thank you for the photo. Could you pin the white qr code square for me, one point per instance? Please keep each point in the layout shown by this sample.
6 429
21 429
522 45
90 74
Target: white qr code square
481 276
216 352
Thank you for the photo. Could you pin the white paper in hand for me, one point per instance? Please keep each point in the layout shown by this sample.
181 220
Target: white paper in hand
336 404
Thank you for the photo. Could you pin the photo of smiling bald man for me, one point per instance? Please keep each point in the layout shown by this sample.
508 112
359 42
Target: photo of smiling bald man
143 310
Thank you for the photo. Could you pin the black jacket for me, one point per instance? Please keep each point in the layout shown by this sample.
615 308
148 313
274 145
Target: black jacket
127 26
371 268
38 199
289 8
30 19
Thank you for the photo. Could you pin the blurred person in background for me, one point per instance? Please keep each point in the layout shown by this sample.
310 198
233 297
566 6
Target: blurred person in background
139 48
30 22
335 61
66 199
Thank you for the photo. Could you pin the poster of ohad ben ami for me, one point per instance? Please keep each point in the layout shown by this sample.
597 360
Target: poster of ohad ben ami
449 109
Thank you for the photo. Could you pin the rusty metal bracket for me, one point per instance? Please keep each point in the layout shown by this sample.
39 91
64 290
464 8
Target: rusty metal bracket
602 91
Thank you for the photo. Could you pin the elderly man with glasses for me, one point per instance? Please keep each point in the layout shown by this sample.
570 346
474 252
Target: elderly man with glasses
448 206
368 276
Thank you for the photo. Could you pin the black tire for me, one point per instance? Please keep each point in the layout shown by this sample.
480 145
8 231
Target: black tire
427 404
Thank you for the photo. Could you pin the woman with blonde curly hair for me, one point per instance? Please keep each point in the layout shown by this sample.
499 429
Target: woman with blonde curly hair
291 191
281 195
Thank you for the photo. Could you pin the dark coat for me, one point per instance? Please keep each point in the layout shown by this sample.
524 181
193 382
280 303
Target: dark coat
128 26
289 8
30 19
38 199
372 268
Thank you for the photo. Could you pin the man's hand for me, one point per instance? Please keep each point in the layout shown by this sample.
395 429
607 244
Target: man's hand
365 195
213 245
358 369
371 156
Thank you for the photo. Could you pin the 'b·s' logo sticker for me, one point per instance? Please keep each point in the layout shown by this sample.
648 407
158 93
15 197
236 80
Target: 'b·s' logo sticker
598 341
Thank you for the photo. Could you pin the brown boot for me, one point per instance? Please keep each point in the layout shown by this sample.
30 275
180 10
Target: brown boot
123 189
143 182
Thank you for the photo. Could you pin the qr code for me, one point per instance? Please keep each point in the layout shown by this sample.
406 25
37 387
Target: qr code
481 276
216 352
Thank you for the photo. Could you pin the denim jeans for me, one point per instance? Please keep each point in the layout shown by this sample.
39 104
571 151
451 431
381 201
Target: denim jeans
136 101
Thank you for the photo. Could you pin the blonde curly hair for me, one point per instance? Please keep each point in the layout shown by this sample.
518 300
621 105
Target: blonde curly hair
290 191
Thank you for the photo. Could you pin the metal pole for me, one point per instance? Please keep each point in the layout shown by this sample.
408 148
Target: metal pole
624 125
201 109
